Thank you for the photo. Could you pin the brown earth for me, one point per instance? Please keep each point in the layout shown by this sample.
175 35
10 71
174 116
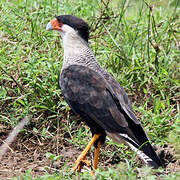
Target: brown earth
30 153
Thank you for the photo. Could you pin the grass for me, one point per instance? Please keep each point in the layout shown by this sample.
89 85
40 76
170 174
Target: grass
136 41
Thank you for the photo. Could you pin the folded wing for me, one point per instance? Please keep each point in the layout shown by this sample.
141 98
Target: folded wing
105 105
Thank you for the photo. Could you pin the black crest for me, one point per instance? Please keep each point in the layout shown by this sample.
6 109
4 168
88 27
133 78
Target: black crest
76 23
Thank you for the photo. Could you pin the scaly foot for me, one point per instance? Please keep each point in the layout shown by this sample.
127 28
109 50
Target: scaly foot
82 157
80 162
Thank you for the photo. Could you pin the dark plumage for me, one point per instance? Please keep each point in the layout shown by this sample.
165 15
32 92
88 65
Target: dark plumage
94 94
76 23
96 100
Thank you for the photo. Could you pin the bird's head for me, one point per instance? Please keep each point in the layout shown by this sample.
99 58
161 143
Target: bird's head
68 24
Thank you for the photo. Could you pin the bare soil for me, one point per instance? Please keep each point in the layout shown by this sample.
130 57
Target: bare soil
30 153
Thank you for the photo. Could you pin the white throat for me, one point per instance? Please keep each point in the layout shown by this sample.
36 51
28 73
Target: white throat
76 49
73 44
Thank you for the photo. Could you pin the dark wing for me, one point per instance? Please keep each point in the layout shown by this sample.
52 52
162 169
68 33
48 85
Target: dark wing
121 97
92 96
87 92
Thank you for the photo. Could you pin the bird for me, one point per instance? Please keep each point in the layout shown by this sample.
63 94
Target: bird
92 92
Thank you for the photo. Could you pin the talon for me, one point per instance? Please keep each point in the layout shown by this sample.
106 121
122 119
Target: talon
81 160
82 163
86 162
79 167
92 173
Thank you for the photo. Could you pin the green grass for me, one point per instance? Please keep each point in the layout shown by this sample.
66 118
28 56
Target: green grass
139 46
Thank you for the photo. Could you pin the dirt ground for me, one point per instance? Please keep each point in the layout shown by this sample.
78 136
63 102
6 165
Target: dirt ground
29 152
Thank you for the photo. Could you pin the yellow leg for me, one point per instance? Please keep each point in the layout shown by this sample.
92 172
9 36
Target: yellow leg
96 156
82 156
84 161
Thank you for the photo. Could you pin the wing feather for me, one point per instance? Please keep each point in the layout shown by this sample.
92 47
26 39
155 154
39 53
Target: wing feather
105 105
85 86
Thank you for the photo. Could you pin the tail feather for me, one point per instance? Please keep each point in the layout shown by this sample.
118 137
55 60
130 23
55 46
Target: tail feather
145 151
147 154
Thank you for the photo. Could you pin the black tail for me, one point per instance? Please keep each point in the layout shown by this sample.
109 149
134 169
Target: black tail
139 142
147 153
154 162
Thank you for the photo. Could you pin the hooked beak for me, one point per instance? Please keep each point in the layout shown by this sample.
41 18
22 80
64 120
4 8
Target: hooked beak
49 26
54 25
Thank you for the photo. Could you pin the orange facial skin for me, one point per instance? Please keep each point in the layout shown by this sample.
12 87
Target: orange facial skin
56 25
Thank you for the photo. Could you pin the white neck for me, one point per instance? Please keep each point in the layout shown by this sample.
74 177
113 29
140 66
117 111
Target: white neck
73 44
77 50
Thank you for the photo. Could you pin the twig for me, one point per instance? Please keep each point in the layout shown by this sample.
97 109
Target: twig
149 21
12 136
13 79
7 145
155 45
106 4
17 73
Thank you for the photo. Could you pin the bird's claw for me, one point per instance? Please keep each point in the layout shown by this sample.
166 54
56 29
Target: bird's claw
86 162
81 161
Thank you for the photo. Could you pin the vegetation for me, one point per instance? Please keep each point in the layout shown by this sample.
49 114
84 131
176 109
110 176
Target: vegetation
137 41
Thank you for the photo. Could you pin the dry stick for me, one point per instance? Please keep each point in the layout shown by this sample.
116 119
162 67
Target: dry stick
57 137
149 21
12 136
17 73
155 45
13 79
156 48
106 4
